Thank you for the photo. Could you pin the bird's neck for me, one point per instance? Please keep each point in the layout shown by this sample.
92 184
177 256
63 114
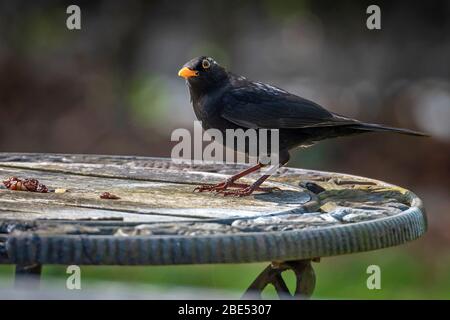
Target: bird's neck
206 102
196 95
199 92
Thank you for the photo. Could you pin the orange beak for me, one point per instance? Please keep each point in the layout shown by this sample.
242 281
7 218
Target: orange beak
187 73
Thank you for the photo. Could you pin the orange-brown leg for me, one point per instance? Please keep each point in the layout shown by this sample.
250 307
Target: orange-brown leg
242 188
246 190
230 183
249 189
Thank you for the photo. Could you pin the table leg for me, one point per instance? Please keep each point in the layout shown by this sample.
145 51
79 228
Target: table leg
28 276
305 280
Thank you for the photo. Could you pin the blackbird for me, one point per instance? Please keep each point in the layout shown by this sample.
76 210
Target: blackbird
223 100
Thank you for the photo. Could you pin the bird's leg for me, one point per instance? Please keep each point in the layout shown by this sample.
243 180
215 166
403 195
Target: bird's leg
230 182
249 189
246 190
246 185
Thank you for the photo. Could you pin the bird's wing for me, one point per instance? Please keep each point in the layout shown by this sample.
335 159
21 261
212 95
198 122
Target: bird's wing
257 105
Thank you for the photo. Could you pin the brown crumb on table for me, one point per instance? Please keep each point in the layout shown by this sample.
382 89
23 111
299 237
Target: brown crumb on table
109 196
31 185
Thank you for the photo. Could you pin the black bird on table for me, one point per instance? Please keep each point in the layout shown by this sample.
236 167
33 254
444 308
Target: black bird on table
222 100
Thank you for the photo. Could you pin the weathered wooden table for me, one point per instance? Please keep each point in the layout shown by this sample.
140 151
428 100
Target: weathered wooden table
158 220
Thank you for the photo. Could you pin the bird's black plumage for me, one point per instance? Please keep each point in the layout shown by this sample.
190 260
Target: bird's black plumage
222 100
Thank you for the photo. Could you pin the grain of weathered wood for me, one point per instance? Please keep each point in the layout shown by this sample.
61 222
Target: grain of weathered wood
159 220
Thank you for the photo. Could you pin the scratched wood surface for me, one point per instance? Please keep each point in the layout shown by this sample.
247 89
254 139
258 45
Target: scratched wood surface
159 220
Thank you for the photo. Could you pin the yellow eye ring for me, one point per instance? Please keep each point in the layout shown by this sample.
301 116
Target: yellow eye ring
206 64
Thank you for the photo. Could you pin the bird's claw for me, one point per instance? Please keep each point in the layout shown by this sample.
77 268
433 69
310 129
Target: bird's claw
241 190
212 188
238 192
246 191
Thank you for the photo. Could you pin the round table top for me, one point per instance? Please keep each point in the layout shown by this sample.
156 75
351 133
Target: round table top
159 220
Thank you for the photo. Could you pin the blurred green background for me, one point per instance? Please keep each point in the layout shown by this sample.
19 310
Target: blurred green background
404 275
112 88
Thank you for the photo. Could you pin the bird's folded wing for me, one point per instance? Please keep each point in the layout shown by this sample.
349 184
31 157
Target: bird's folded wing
259 107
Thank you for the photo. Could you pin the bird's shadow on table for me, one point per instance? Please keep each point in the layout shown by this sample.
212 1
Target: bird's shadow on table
285 197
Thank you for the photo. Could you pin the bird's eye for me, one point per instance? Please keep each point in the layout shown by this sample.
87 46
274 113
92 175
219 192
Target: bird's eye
206 64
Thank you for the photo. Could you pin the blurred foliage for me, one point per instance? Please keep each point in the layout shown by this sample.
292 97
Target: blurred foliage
42 32
285 9
146 89
403 276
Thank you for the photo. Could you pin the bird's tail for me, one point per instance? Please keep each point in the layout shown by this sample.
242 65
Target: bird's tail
372 127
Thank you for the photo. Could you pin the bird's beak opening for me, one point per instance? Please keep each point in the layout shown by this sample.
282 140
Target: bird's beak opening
187 73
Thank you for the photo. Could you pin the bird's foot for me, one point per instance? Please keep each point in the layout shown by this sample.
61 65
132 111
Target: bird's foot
238 192
246 190
242 189
214 187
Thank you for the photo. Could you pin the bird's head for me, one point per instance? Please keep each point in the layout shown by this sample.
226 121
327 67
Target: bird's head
203 74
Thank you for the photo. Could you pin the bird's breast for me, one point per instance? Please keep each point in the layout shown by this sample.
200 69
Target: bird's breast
208 109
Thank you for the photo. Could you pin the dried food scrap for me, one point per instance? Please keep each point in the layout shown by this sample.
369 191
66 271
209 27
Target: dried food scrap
110 196
31 185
